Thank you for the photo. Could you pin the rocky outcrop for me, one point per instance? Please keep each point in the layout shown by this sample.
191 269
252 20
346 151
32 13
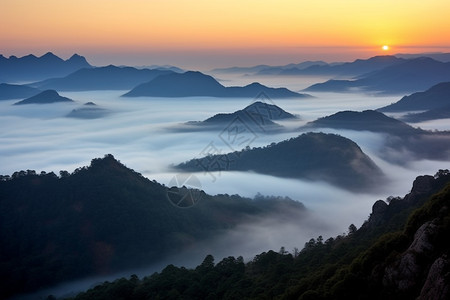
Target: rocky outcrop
379 209
422 185
404 275
422 269
437 283
417 266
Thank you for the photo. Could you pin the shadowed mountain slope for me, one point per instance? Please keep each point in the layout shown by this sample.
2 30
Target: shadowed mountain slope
15 91
190 84
45 97
258 116
101 78
313 156
105 218
402 142
435 97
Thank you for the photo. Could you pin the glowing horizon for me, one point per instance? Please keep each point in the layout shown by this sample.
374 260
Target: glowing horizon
165 30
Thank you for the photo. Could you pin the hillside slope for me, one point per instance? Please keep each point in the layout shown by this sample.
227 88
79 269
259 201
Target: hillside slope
105 218
313 156
401 252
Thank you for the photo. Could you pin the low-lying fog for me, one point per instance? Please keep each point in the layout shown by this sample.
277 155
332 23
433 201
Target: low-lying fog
139 133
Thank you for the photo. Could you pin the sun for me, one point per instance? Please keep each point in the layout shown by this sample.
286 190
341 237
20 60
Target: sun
385 47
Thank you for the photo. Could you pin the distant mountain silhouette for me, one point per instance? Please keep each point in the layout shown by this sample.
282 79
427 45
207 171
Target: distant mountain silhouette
435 97
15 91
268 70
313 156
290 69
444 57
349 69
90 110
45 97
101 78
105 218
402 142
32 68
258 116
249 70
192 83
165 68
410 76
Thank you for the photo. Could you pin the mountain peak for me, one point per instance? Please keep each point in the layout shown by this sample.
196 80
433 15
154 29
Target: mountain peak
51 56
78 59
45 97
255 84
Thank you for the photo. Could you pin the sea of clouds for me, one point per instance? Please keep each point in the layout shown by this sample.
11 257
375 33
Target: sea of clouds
140 133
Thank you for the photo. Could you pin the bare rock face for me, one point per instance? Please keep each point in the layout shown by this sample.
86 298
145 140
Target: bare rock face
406 272
403 274
421 185
378 210
437 284
422 243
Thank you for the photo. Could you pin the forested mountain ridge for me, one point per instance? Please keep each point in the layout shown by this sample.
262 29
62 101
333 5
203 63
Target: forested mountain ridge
399 137
314 156
105 218
401 252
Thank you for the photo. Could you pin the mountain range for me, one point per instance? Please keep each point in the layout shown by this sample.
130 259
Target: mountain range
403 77
101 78
314 156
266 69
105 218
346 69
441 56
31 68
349 69
45 97
191 83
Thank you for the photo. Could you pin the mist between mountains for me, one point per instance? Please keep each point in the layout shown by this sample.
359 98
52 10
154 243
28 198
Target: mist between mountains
185 189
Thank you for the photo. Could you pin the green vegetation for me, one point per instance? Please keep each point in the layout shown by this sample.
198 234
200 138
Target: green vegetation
315 156
357 265
105 218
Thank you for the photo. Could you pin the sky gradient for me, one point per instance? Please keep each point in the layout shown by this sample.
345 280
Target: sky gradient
222 32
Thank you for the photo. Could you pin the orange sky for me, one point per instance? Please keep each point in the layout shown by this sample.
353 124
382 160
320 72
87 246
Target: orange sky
166 31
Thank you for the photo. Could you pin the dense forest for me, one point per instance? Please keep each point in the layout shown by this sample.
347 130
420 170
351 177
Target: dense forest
400 252
104 218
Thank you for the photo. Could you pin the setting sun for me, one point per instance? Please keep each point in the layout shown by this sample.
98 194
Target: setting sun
385 48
